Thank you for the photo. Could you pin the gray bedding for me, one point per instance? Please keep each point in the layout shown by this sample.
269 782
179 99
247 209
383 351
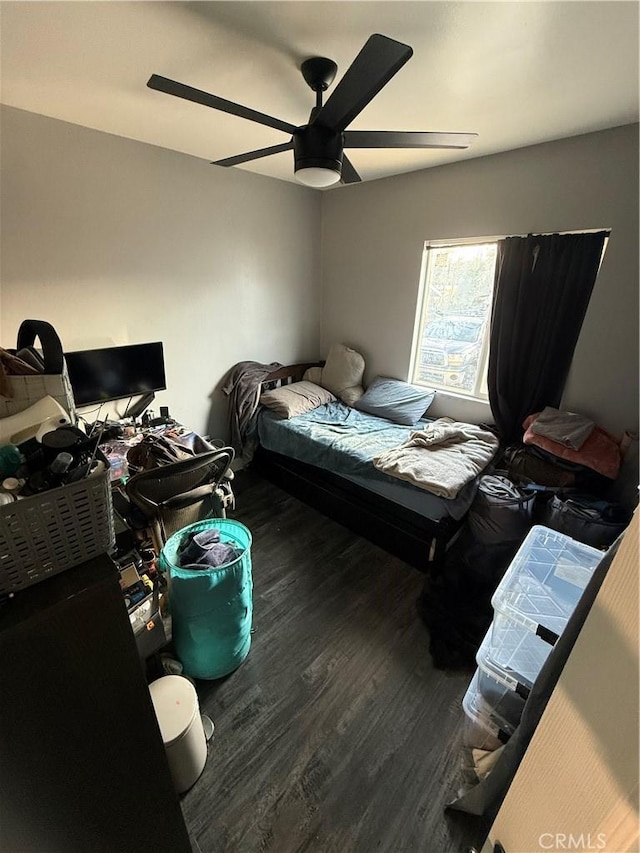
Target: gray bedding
344 441
442 457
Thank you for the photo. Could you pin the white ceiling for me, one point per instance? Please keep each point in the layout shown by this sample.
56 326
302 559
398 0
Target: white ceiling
517 73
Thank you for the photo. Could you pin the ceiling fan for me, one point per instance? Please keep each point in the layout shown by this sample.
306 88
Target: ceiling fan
318 146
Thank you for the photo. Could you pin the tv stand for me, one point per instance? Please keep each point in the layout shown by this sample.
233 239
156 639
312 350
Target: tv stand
136 409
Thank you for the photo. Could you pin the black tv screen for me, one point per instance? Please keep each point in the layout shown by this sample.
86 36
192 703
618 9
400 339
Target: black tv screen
112 373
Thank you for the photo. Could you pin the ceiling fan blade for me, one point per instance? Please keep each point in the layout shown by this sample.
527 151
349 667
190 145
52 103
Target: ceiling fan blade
253 155
180 90
373 67
406 139
349 174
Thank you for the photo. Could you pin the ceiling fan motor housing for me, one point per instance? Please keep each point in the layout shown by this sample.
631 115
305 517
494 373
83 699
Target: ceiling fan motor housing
318 147
318 72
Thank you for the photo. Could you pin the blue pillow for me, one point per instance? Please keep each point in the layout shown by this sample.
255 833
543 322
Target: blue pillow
395 400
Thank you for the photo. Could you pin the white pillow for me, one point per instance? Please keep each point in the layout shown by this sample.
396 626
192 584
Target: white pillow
342 373
313 374
296 399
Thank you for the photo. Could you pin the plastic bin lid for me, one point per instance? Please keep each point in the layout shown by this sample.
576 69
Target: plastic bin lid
545 580
176 704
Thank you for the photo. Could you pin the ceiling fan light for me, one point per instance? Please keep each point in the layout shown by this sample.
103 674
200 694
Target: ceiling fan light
317 176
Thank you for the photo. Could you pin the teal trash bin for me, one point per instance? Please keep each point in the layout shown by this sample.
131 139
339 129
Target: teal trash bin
211 608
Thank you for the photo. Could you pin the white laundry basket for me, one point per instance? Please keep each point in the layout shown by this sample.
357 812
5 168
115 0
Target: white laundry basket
176 705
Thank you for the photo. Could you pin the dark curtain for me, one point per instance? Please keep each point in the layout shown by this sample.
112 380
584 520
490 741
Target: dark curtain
541 293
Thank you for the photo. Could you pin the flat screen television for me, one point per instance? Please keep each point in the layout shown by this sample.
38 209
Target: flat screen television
113 373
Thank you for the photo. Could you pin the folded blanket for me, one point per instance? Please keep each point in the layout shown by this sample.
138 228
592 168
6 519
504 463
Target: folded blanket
566 428
600 452
441 458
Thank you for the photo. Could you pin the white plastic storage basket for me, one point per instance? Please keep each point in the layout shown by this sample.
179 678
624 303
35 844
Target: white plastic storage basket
45 534
542 586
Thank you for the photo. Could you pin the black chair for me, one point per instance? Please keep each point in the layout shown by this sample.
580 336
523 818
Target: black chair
181 493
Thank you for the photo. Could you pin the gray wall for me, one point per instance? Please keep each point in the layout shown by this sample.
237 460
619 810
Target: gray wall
115 242
373 235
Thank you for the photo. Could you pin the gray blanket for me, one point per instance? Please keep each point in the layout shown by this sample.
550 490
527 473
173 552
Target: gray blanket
242 385
442 457
566 428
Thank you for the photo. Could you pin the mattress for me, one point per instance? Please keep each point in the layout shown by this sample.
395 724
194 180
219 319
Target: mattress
342 440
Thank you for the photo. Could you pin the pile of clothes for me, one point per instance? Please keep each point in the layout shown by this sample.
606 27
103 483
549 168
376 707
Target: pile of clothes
587 479
575 439
205 550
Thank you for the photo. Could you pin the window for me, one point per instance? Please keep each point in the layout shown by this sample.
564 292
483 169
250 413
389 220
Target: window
451 342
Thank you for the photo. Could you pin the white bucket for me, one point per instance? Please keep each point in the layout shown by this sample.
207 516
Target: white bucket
176 705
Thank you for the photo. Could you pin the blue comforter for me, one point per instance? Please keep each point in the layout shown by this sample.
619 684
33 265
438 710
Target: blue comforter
344 439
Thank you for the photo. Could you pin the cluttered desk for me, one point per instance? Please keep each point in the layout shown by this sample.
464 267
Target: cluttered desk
167 438
71 489
121 488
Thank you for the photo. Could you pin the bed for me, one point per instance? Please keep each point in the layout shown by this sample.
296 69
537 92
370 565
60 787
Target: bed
324 457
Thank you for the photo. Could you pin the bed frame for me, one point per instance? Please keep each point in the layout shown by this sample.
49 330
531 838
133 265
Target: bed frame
406 534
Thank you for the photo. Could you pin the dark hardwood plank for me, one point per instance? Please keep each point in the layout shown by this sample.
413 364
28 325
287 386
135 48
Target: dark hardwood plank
336 733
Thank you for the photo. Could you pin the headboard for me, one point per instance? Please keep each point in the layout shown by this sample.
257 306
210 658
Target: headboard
287 374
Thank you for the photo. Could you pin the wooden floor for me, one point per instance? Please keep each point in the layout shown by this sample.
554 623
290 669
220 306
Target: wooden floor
336 733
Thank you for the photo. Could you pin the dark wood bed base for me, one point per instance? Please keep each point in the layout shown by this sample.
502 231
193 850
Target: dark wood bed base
289 373
406 534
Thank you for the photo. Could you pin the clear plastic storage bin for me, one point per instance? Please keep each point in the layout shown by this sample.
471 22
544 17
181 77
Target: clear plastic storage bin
501 691
505 705
486 728
513 655
539 592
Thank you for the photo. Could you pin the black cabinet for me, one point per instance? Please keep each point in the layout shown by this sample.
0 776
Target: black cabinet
82 764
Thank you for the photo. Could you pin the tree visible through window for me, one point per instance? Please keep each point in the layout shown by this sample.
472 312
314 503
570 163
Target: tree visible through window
451 345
